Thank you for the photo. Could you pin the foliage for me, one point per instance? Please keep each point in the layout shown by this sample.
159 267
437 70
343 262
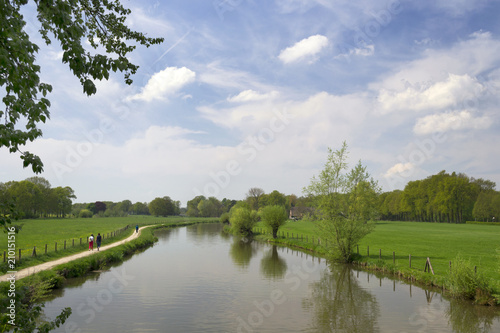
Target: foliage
254 197
464 282
73 24
346 201
487 206
85 213
242 221
274 217
34 197
164 207
442 197
29 307
224 218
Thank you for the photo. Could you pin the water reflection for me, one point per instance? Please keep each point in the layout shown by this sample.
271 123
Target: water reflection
465 318
197 279
339 304
272 266
241 251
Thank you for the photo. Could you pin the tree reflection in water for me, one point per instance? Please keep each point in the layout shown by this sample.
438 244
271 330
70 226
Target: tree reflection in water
464 318
272 266
339 304
241 251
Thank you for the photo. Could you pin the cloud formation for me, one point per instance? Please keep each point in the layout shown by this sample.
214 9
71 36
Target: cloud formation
431 96
444 122
165 83
303 49
251 95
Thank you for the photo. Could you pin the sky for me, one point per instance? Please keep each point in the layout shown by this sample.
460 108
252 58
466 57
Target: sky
252 93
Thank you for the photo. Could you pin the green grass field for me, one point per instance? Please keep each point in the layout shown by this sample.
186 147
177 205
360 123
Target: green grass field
441 242
49 231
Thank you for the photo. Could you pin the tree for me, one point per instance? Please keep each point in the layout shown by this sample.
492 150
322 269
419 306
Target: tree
242 221
140 208
275 198
211 207
254 196
100 23
346 201
164 207
192 206
274 217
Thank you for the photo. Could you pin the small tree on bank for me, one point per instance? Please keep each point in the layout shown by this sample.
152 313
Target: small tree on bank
242 221
345 201
274 217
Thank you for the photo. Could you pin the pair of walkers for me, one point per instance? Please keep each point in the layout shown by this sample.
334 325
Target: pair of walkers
97 240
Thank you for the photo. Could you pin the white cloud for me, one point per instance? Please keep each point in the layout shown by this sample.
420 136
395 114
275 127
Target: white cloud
165 83
251 95
306 48
399 169
473 57
458 120
431 96
366 51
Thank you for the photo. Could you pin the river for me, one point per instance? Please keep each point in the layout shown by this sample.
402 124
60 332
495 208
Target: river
196 279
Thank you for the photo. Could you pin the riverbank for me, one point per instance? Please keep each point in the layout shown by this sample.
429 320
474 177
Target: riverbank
417 238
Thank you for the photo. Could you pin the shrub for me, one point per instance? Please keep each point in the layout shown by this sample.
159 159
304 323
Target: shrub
242 221
224 218
85 213
464 282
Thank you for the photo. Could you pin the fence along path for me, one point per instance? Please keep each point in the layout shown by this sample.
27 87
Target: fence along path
51 264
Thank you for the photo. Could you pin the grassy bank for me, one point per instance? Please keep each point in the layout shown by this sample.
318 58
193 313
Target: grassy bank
441 242
40 232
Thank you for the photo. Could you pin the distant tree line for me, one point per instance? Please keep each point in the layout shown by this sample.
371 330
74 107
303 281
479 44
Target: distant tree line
109 209
34 197
453 198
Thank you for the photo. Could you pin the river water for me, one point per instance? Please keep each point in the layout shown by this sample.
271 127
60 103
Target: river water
196 279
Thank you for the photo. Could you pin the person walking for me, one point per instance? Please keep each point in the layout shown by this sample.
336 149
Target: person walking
98 240
136 229
91 242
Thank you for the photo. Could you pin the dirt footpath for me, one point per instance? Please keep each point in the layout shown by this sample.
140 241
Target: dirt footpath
51 264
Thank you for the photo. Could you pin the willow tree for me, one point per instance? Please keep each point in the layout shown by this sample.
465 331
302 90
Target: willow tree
73 24
345 201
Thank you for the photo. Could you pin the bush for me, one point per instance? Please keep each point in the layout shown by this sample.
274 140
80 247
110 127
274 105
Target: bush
85 213
242 221
464 282
224 218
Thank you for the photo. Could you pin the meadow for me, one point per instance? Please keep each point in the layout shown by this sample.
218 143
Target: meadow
38 232
441 242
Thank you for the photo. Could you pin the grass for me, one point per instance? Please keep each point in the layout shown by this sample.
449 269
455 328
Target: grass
441 242
49 231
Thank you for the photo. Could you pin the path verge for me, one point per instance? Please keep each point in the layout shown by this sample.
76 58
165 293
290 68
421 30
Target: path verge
51 264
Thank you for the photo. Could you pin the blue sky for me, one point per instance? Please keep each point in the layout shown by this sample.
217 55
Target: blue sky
251 93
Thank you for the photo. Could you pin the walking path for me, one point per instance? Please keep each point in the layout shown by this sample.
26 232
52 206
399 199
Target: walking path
51 264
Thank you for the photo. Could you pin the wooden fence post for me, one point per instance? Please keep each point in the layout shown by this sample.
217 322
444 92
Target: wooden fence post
56 247
19 255
65 244
34 252
410 260
380 254
394 257
368 251
73 245
45 248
